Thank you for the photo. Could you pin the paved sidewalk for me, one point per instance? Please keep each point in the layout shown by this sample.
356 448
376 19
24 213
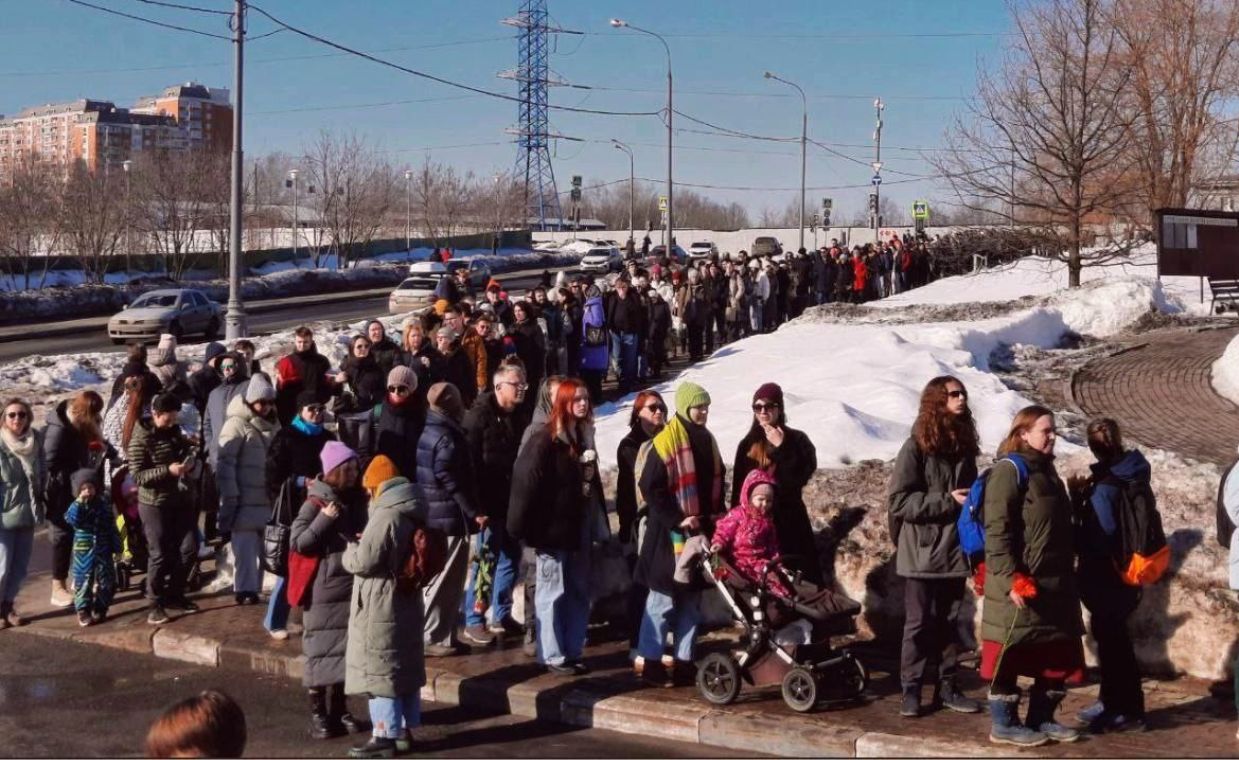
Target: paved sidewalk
1185 720
1159 390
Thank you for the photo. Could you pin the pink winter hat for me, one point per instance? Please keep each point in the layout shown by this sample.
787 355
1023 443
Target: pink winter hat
335 454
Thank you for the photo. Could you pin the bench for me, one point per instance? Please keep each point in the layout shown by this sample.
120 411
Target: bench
1226 291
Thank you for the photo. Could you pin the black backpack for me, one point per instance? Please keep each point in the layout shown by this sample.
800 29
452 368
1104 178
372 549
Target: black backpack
1141 552
1225 528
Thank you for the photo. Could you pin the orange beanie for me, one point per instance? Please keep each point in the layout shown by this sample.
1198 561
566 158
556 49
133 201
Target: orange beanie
381 470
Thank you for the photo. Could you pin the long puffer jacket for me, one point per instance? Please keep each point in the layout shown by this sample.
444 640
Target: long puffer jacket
217 413
384 656
445 475
326 616
21 486
923 512
242 471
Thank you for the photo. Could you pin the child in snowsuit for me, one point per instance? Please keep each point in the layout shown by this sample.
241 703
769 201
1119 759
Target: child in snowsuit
746 535
95 541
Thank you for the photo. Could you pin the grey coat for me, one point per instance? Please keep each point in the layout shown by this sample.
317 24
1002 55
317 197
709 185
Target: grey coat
384 653
215 414
21 492
242 468
924 514
326 615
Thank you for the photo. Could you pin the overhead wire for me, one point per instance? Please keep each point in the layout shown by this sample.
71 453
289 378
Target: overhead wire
178 6
150 21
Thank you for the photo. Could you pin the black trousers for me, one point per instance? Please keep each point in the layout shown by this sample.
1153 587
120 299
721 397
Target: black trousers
173 549
60 534
1111 604
695 335
930 635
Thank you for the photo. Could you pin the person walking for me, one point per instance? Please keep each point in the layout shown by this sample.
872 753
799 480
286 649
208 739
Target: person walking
73 439
383 654
493 429
332 514
449 484
23 475
293 460
159 461
1031 617
933 472
1119 477
557 509
682 484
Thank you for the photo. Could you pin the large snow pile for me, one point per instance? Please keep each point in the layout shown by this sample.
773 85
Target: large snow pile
854 387
1226 372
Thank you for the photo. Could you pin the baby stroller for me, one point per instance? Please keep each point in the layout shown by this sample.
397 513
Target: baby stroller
809 672
134 552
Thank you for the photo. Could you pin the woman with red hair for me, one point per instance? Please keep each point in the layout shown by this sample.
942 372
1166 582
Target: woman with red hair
557 508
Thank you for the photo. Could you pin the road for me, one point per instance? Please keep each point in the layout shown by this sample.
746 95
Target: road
65 699
96 339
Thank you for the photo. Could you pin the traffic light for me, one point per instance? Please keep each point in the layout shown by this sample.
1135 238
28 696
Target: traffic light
873 203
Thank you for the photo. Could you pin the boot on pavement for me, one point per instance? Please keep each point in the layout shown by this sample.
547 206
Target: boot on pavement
946 695
337 709
1005 726
321 724
910 704
1042 703
376 747
61 596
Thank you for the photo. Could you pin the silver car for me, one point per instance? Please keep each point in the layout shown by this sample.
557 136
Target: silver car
180 312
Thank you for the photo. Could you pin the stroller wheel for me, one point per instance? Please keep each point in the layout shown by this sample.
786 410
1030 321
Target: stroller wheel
718 678
800 689
855 677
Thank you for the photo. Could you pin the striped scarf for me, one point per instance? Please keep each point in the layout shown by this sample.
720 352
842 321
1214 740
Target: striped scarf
673 447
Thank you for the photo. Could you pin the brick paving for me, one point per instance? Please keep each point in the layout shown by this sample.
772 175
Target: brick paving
1159 390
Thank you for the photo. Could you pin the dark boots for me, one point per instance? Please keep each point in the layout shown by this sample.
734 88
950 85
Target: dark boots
337 709
1042 703
321 724
1005 728
946 695
910 704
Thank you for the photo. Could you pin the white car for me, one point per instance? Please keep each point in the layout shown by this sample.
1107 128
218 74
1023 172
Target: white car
581 246
602 259
702 250
414 294
181 312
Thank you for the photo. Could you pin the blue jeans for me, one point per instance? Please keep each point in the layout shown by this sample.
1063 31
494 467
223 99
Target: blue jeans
624 349
561 604
507 551
15 548
277 607
678 615
392 717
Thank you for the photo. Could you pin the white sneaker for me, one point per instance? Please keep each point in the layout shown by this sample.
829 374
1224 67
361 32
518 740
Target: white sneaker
279 634
61 596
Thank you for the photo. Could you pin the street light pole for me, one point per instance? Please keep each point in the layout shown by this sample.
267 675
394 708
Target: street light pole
127 165
877 168
804 139
235 318
408 209
669 233
292 176
631 187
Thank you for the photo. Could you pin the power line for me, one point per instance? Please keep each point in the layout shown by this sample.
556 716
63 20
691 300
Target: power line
180 7
432 77
358 106
820 37
145 20
811 96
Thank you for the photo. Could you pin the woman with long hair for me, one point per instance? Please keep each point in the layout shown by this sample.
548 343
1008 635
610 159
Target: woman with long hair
1030 624
557 509
133 405
649 415
365 375
22 475
790 458
932 474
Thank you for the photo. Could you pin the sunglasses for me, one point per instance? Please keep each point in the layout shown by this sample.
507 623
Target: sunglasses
315 408
656 408
398 390
362 347
228 366
957 394
764 407
16 415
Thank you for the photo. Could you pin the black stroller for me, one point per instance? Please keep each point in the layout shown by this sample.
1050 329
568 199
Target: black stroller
809 673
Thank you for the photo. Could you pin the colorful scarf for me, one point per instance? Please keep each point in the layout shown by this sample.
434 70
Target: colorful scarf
673 447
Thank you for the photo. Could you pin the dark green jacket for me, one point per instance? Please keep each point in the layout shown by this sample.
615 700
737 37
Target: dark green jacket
151 451
1030 532
923 512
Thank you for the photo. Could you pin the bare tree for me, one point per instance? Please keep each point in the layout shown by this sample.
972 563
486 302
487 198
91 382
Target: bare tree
30 228
1048 137
443 199
172 204
356 192
92 218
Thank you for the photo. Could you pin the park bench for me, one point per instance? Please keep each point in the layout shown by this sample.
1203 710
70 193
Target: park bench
1225 291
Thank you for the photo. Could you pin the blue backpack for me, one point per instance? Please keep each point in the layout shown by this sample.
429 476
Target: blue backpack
971 522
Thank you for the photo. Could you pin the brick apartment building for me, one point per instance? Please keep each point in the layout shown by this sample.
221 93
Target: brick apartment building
104 136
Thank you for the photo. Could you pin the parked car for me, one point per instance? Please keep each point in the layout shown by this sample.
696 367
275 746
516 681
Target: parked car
415 293
703 250
766 246
658 251
479 272
602 259
181 312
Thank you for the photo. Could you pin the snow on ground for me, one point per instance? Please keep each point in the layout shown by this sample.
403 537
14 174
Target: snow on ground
1033 276
1226 372
854 387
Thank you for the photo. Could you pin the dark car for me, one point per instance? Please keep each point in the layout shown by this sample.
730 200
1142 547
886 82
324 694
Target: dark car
658 251
766 246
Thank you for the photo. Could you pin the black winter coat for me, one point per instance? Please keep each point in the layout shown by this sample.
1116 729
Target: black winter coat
66 451
367 379
325 617
386 354
428 372
531 349
458 370
626 481
549 506
151 382
792 465
201 383
625 315
396 433
293 454
494 438
446 477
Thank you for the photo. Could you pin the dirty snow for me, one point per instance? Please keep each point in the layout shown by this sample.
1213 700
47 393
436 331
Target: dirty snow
1226 372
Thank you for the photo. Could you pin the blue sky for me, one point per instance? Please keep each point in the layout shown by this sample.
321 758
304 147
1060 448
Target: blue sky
841 54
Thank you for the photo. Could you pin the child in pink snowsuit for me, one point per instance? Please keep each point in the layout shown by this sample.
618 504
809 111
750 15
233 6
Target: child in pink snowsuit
746 535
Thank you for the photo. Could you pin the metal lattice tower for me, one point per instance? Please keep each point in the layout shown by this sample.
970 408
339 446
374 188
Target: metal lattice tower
533 161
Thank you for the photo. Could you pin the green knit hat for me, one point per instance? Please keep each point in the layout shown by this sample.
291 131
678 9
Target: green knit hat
689 395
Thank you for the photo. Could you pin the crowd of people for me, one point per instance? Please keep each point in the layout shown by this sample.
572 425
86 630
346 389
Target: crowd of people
476 422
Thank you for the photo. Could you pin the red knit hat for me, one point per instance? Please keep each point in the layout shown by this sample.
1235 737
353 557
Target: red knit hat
769 392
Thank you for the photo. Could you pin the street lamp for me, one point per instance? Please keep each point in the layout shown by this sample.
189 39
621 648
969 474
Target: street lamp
408 209
127 165
804 138
668 234
631 187
292 178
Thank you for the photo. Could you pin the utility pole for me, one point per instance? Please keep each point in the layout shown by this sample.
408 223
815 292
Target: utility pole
408 209
292 176
804 139
127 165
631 187
235 318
877 168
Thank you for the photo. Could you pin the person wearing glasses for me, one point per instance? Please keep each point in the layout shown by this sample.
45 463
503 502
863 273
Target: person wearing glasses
400 420
790 458
493 429
292 462
928 485
23 473
649 415
556 508
365 375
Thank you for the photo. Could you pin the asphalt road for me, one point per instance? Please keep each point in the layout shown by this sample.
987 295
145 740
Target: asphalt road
64 699
96 339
